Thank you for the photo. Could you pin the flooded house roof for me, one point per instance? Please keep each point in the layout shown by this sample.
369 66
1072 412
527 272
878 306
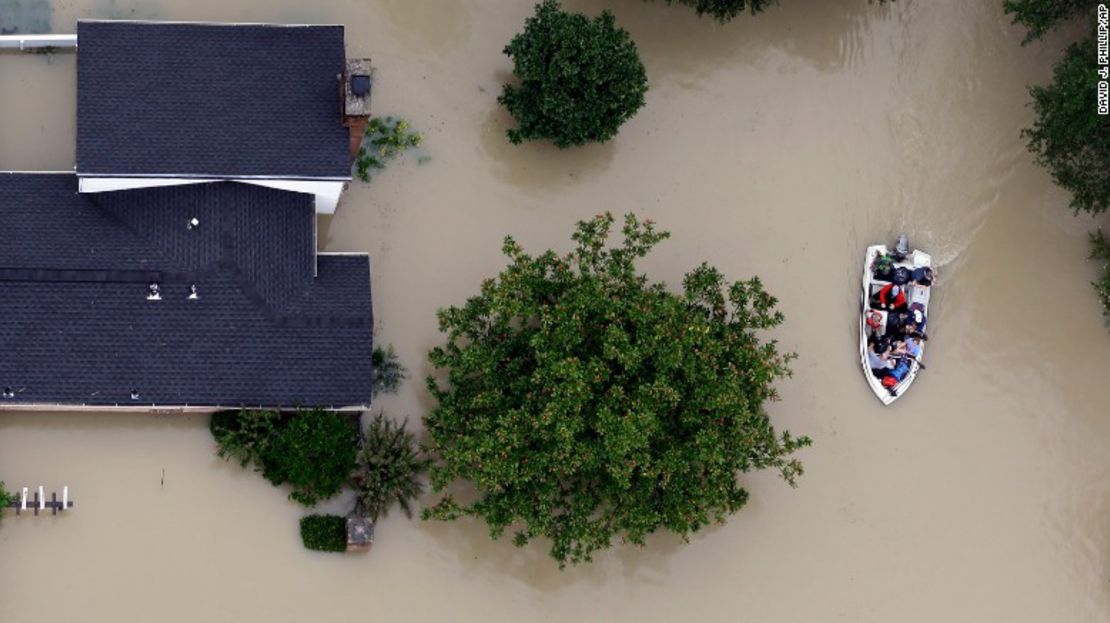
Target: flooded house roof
162 99
78 326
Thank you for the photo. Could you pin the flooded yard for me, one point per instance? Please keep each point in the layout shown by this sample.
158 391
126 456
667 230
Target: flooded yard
779 146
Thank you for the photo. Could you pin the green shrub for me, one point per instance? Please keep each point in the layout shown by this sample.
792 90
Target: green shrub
388 469
1068 135
384 140
1100 252
5 498
587 404
324 533
580 78
244 435
388 371
314 452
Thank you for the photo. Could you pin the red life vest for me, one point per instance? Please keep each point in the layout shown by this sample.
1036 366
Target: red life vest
884 296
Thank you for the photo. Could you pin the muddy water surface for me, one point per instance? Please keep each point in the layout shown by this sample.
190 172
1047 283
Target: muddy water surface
780 146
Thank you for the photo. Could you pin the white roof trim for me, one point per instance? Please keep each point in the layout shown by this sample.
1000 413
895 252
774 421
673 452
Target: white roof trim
64 406
197 23
205 176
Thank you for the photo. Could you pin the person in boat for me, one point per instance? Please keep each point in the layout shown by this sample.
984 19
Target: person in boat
906 323
922 276
882 267
909 347
878 358
892 297
915 324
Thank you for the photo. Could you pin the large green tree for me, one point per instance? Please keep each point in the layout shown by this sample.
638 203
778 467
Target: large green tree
1068 135
579 78
585 403
1041 16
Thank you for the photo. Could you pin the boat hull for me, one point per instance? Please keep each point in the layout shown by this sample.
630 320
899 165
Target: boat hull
916 295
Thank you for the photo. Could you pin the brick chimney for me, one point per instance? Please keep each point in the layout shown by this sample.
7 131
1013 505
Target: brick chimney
355 87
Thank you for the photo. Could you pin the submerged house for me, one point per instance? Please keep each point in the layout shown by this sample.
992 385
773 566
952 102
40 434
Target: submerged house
177 268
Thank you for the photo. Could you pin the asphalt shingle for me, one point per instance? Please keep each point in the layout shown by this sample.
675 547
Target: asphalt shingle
210 100
76 327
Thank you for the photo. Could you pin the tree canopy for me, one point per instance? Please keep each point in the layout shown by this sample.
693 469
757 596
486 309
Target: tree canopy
580 78
1041 16
586 404
1068 135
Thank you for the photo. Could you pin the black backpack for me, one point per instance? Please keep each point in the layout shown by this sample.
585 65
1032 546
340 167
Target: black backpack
901 276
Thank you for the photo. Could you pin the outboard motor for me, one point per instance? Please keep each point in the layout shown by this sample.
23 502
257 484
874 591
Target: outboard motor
902 248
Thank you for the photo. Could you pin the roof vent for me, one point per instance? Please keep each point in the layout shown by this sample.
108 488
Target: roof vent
9 392
155 293
193 292
360 86
134 394
193 223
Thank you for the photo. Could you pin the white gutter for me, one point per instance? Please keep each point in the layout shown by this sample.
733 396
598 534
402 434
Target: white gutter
24 42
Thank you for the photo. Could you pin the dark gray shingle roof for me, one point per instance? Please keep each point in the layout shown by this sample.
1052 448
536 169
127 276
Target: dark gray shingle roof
76 328
209 100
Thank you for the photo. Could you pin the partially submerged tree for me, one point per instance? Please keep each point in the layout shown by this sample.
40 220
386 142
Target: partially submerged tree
726 10
580 78
244 436
1041 16
312 451
1068 135
1100 252
585 403
388 469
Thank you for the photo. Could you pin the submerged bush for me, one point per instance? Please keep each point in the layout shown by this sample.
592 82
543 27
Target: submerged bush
314 452
1100 252
1068 136
580 78
388 371
245 435
384 139
725 10
324 533
388 471
6 498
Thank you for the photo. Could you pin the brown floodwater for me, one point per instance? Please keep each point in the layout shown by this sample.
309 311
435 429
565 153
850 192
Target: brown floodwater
777 146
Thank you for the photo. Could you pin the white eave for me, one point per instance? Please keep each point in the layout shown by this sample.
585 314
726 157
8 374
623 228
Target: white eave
26 42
